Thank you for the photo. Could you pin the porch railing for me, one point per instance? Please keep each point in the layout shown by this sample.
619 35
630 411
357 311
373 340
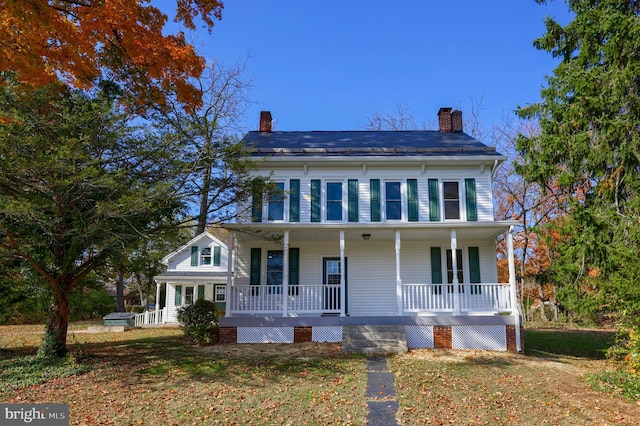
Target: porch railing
149 317
300 299
492 297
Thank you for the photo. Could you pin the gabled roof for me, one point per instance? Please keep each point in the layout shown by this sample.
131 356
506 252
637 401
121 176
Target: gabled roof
165 260
366 143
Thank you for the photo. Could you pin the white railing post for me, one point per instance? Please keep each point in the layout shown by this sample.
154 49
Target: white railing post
231 255
343 271
157 307
454 265
512 284
285 276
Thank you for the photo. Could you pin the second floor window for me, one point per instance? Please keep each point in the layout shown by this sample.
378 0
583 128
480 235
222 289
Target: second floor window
205 256
451 195
334 200
393 201
276 202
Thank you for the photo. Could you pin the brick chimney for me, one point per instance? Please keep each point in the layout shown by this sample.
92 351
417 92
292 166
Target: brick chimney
444 119
265 121
456 120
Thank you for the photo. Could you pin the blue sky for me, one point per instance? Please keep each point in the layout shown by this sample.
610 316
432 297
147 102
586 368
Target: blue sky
327 65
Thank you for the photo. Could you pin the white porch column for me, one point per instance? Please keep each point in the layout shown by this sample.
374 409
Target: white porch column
230 270
454 265
285 276
343 271
398 275
512 285
157 301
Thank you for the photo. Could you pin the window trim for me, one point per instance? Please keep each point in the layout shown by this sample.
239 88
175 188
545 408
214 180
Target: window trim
216 294
325 201
461 210
400 200
277 196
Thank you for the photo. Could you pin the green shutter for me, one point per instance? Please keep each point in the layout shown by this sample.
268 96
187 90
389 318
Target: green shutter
256 259
294 200
434 201
474 269
436 269
352 196
217 250
200 292
315 200
294 271
470 191
178 298
375 199
256 204
412 199
194 255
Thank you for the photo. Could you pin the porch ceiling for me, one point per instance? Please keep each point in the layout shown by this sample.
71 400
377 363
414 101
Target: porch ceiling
377 231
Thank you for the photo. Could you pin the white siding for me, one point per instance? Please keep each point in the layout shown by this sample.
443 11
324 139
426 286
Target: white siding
181 261
371 269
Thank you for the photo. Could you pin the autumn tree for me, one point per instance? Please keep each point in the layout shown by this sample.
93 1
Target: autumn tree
218 175
84 41
78 184
589 143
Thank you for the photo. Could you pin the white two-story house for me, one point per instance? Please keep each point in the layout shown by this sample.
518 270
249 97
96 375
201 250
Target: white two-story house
371 227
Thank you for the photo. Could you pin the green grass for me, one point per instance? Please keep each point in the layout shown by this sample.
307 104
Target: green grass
16 373
553 343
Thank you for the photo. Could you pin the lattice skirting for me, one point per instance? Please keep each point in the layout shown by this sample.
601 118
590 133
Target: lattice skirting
265 334
326 334
419 336
489 337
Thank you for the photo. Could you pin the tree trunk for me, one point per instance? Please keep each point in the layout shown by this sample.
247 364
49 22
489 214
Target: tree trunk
54 343
543 313
204 198
120 291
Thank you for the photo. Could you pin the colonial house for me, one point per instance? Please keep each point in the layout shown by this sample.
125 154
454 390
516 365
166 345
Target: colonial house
365 229
197 270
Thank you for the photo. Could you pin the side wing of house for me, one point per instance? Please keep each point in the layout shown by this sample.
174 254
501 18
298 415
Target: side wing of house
197 270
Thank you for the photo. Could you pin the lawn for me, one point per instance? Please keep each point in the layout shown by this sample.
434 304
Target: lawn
154 376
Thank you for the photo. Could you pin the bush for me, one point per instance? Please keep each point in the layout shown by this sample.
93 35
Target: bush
200 322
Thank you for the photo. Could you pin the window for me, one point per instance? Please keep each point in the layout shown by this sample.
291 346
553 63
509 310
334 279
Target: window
451 196
276 202
205 256
220 293
458 268
188 296
393 201
274 270
334 200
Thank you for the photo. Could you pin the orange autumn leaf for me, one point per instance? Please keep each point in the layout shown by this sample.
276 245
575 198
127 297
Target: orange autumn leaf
79 41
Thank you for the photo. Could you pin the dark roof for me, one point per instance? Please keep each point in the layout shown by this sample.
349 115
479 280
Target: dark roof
366 143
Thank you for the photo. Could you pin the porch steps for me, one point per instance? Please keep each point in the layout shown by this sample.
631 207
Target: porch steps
374 339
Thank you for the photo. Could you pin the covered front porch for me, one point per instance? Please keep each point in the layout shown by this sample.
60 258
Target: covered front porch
379 269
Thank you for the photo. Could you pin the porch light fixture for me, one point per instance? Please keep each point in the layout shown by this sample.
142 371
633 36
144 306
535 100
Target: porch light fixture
366 236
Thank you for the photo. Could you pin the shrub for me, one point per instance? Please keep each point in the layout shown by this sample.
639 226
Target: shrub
200 322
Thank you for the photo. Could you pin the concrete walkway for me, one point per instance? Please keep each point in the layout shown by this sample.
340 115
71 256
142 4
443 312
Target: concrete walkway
381 393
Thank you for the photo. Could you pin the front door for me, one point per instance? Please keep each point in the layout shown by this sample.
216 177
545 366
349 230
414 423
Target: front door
332 272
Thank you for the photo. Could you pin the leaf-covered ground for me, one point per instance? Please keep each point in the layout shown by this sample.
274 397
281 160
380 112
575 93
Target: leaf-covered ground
154 376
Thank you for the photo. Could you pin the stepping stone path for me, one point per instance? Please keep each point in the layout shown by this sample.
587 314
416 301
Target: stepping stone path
381 394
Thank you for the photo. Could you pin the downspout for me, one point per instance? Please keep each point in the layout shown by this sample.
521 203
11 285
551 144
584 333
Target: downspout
512 284
398 275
